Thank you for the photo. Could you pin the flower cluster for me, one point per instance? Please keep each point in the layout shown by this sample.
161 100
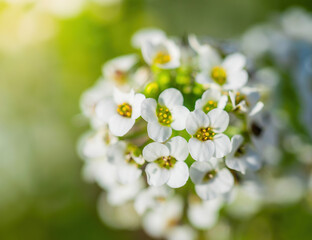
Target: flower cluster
176 128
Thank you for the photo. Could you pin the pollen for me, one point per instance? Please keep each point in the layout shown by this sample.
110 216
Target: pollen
161 58
218 74
210 175
209 106
125 110
166 162
204 134
164 115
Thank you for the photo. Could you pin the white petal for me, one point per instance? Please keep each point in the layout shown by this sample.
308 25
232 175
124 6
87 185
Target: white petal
196 120
148 51
128 173
206 192
222 145
158 132
223 181
121 97
236 80
179 175
148 34
236 164
256 109
252 160
155 150
203 78
219 120
236 142
170 98
179 115
201 151
222 102
136 106
156 176
234 62
105 109
148 110
198 170
178 148
119 125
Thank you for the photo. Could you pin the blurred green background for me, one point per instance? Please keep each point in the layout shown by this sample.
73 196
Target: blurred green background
48 56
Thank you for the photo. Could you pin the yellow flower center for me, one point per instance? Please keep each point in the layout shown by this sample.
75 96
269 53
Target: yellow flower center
166 162
124 110
240 97
204 134
164 115
161 58
209 106
218 74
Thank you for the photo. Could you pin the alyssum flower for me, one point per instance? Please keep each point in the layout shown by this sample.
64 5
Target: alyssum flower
166 163
166 114
207 137
162 53
121 111
211 99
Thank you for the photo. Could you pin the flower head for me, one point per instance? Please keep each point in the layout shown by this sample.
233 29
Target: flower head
166 163
211 99
207 137
166 114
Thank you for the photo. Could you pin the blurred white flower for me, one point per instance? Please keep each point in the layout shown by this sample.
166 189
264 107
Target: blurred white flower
90 98
168 113
204 214
121 111
118 70
211 99
166 163
242 156
210 182
183 232
121 217
208 139
160 221
163 53
94 144
151 198
127 161
147 35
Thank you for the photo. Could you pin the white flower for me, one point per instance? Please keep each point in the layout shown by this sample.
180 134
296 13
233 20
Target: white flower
242 156
94 144
211 98
166 114
121 111
118 69
147 35
120 217
183 232
91 97
121 193
246 100
210 182
208 139
166 163
151 198
163 53
229 73
126 160
203 214
160 221
101 171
